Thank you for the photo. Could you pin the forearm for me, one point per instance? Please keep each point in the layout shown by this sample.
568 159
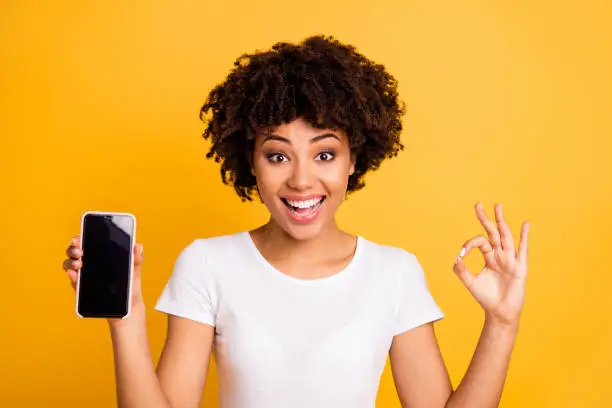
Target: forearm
484 380
137 382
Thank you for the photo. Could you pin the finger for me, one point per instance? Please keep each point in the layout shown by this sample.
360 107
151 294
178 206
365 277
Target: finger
507 240
76 241
73 275
138 255
463 273
74 251
72 264
488 225
522 252
485 247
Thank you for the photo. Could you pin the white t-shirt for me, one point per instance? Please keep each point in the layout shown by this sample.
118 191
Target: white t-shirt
284 342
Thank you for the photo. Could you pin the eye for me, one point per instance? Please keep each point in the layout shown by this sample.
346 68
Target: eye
276 157
325 156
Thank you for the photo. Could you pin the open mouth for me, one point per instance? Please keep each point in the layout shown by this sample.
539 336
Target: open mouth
304 210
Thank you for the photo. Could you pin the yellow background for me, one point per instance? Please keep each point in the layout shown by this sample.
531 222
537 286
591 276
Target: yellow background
508 101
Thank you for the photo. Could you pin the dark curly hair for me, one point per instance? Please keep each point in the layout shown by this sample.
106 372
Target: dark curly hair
325 82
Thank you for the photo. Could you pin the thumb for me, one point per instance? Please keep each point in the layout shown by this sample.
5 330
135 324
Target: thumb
138 255
463 273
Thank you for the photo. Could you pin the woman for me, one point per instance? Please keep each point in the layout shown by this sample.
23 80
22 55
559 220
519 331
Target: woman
298 312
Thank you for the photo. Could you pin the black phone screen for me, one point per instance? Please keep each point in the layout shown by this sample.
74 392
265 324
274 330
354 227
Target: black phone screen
106 265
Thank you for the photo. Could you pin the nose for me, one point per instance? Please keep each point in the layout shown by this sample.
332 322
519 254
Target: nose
302 176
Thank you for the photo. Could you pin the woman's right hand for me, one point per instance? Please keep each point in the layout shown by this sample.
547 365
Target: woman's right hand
72 265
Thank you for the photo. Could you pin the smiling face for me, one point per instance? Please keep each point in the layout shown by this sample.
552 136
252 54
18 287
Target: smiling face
302 174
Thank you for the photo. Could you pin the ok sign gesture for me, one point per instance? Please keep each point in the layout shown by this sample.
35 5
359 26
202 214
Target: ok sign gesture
500 285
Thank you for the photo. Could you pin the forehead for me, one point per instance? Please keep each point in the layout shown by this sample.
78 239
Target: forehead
298 125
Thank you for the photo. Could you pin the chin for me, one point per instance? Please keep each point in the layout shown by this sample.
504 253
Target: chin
302 233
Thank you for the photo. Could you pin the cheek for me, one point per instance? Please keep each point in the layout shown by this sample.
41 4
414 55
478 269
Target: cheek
335 177
268 179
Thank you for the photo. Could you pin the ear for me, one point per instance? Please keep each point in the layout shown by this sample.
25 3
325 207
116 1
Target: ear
353 160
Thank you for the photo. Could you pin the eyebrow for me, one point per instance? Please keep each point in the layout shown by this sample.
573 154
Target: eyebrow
313 140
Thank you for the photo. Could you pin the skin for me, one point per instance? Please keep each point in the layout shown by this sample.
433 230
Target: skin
298 160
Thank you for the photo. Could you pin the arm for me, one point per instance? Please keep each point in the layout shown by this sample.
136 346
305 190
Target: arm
183 365
419 372
421 378
484 380
499 288
182 368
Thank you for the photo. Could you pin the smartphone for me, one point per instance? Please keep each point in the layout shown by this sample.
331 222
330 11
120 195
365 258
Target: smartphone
104 283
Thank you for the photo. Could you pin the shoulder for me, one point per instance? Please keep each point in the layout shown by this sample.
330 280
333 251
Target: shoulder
202 249
388 253
217 242
203 258
402 264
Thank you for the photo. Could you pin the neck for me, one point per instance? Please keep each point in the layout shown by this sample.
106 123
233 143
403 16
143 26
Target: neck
270 235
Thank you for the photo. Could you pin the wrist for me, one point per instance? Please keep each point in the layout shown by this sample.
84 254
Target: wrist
502 325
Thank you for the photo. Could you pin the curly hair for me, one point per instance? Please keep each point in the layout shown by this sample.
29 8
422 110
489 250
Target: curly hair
325 82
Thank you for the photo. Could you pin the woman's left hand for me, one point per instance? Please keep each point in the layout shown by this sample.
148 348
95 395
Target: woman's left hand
500 285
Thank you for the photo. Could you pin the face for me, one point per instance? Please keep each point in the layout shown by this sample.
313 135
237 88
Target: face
302 174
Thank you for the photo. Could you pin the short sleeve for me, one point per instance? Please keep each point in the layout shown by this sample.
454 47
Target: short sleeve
190 291
415 306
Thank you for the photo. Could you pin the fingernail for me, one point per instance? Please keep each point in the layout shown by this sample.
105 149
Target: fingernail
463 251
141 249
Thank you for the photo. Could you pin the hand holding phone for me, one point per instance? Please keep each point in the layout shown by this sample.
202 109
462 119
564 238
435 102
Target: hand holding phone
104 265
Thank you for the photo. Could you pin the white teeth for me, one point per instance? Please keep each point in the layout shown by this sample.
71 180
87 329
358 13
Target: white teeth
306 203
